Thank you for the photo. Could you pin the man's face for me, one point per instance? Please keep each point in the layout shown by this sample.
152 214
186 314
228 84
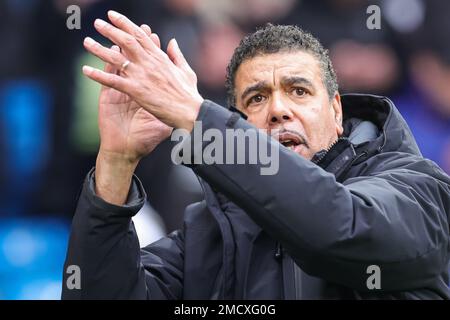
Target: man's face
284 94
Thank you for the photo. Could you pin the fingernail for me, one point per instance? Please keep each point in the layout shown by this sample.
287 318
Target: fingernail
99 23
113 14
176 43
87 69
89 41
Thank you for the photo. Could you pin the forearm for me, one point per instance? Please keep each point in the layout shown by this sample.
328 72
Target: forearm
103 244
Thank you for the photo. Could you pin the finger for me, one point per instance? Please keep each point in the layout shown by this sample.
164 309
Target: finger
152 36
107 55
177 57
156 40
107 79
115 48
115 69
109 67
146 29
126 25
127 42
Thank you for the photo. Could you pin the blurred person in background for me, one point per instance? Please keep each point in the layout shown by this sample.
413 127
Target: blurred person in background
427 105
25 109
365 60
422 31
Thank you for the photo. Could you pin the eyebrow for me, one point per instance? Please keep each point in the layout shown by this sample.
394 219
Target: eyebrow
289 81
286 81
256 87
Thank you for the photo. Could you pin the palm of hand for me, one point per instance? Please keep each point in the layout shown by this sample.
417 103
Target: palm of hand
125 127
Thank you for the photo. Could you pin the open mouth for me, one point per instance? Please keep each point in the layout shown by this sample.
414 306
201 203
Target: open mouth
290 140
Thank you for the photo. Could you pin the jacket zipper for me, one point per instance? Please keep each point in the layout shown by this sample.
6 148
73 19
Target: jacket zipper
317 161
291 289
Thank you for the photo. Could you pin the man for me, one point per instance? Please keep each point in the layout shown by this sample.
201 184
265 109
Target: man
352 199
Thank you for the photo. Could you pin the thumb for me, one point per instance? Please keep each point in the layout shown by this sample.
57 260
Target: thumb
177 57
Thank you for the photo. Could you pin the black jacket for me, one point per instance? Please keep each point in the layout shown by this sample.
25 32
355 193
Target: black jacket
309 232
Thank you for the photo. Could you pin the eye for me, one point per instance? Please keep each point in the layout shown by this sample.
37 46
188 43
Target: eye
299 91
255 99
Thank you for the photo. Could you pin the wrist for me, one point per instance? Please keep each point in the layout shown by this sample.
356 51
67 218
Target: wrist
117 159
189 120
113 175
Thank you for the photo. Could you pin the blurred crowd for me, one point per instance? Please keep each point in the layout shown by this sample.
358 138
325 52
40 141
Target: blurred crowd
48 128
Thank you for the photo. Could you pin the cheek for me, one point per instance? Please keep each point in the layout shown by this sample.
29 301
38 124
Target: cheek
310 119
257 119
316 123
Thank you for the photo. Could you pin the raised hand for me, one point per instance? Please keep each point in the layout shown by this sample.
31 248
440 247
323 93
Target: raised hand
126 129
163 84
127 133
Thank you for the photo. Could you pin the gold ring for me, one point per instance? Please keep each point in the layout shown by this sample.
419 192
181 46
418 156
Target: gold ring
124 65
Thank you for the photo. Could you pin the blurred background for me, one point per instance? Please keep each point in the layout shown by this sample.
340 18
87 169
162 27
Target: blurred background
48 110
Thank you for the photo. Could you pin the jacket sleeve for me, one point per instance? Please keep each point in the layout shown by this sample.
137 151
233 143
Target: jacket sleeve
104 246
396 220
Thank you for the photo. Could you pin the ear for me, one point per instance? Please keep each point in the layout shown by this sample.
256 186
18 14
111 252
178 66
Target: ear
337 111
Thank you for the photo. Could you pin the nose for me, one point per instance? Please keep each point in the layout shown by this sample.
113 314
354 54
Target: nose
279 112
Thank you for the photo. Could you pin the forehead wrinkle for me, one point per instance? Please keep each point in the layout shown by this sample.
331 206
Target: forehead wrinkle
274 81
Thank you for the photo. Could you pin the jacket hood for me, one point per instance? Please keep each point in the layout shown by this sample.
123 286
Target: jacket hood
391 130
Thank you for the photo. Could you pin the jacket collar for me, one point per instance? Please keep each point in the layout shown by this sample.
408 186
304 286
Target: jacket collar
394 133
372 124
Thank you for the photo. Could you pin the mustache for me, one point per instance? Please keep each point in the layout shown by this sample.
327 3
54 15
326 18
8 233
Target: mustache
277 132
